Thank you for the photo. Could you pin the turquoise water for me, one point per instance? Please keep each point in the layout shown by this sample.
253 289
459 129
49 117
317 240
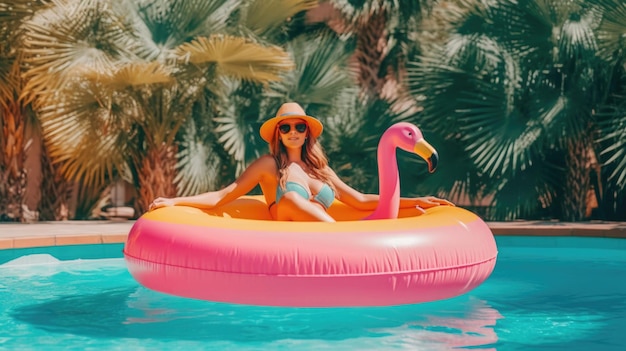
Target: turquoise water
545 294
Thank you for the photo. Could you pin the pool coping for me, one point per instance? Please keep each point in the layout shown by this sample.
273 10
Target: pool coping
42 234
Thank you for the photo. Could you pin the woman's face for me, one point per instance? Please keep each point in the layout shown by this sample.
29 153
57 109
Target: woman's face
292 132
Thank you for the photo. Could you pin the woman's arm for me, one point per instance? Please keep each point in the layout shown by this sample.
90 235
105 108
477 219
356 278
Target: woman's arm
366 202
262 167
423 202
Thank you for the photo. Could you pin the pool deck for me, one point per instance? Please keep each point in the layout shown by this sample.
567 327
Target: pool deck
26 235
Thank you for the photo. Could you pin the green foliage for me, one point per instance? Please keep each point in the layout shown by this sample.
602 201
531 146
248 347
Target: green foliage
612 123
510 90
127 74
504 89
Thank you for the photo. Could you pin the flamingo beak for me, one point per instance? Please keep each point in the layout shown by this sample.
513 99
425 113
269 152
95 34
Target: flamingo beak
428 153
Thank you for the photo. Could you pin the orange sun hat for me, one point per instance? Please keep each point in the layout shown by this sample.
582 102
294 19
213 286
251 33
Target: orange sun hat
286 111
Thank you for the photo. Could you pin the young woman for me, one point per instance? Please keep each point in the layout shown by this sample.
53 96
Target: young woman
295 177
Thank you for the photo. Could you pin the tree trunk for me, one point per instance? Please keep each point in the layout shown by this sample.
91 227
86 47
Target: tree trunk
578 179
13 156
371 50
156 175
56 192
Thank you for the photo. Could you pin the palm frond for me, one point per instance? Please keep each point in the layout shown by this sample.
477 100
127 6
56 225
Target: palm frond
577 41
147 95
9 79
237 57
164 25
87 133
351 142
238 121
531 28
135 73
198 165
612 140
232 135
262 16
91 163
83 158
464 64
495 150
13 12
218 20
610 33
67 36
482 123
525 27
358 10
321 71
523 194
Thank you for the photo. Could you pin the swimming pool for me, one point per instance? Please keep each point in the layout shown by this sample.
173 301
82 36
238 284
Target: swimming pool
550 293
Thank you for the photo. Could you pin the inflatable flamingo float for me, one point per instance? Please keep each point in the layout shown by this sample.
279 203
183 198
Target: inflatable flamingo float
237 254
407 137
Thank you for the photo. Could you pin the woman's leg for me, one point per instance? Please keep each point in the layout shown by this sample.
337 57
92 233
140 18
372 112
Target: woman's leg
293 207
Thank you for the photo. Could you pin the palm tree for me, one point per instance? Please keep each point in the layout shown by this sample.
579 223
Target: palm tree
118 81
384 33
610 180
513 92
13 111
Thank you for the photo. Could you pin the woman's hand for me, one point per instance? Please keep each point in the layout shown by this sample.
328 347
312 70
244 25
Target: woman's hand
161 202
430 201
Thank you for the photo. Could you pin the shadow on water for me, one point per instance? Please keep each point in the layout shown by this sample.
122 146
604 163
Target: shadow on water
141 313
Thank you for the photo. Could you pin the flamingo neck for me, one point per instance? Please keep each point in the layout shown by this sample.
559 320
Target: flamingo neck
388 181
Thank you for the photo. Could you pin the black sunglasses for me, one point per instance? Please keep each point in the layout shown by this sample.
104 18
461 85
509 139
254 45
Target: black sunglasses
285 128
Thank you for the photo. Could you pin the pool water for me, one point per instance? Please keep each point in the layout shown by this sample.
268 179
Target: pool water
545 294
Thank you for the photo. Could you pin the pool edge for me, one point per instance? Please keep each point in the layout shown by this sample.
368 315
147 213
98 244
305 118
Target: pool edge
18 236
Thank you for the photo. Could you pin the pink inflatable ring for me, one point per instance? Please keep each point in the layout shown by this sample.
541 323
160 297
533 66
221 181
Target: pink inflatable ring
235 254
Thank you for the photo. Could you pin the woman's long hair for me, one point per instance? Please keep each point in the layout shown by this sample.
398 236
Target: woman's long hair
313 156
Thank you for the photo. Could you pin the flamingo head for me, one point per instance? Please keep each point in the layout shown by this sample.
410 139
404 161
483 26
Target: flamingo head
408 137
